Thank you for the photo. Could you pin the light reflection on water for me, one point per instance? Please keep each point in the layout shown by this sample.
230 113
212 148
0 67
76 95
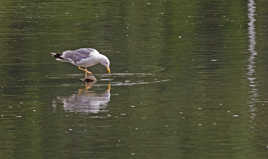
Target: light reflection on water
85 101
252 57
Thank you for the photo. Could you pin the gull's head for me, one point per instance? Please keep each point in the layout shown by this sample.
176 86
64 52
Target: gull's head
105 62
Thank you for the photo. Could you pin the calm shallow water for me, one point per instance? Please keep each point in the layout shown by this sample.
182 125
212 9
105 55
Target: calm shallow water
188 80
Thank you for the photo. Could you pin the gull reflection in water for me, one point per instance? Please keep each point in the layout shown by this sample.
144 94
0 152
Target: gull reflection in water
86 101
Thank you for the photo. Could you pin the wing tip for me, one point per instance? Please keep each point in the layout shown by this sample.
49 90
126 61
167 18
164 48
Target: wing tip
56 55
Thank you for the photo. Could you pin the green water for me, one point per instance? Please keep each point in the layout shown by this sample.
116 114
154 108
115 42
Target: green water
188 80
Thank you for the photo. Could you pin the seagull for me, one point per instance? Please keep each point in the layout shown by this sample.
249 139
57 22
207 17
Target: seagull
83 58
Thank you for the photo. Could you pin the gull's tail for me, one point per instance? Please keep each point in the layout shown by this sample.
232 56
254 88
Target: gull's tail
57 56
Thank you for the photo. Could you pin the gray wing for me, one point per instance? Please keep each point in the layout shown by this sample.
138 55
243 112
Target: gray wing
77 55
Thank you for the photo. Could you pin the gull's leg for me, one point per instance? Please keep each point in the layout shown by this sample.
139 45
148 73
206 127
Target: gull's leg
80 68
85 70
87 73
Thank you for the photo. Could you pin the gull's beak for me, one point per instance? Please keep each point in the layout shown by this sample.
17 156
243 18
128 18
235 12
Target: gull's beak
108 69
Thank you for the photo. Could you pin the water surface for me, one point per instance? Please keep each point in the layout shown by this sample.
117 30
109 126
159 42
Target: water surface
188 80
